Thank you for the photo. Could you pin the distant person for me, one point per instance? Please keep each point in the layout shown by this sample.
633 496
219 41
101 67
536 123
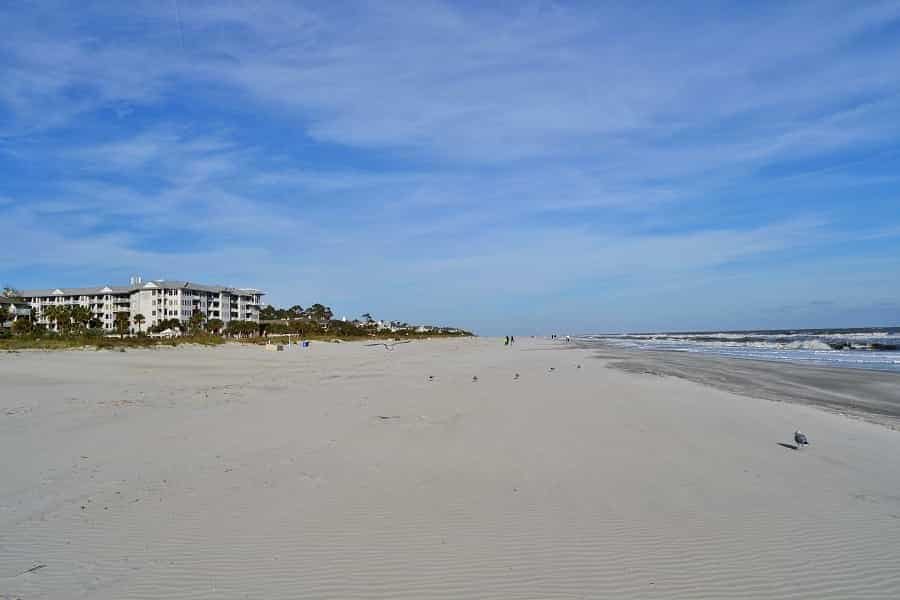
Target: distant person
512 339
506 343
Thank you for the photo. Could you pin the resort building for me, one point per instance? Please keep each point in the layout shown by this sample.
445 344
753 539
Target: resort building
157 301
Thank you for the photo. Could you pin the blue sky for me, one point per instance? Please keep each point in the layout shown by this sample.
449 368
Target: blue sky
526 167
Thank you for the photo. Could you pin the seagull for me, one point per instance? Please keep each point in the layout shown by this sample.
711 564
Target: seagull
552 369
388 346
431 378
474 378
800 438
516 376
578 367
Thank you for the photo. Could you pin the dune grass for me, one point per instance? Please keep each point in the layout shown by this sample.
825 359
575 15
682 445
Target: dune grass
59 342
69 342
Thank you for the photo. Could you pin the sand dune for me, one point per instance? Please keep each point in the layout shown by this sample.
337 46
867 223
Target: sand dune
343 472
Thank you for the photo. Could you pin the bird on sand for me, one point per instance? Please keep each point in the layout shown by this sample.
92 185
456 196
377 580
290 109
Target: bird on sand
388 346
552 369
431 378
800 439
516 376
474 378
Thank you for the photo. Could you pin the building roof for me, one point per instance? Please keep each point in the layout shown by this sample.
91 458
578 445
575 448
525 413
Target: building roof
201 287
5 300
85 291
125 289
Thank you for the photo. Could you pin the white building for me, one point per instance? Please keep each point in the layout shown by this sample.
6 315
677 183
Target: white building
156 300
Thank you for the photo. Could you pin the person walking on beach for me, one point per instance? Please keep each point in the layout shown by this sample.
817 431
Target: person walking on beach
506 343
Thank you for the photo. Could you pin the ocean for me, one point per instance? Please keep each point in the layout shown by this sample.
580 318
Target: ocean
875 348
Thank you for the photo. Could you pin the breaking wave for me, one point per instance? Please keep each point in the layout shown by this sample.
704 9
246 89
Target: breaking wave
866 348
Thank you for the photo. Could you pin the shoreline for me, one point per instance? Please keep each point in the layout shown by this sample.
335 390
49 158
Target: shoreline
869 394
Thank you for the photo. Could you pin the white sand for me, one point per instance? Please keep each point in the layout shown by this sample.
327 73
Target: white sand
238 473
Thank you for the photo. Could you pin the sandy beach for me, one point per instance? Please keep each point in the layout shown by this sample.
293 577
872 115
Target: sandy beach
346 471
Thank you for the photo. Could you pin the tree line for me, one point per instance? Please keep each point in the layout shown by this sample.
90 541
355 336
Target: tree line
316 320
317 312
79 320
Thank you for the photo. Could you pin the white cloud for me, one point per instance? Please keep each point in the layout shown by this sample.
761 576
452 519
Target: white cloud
480 85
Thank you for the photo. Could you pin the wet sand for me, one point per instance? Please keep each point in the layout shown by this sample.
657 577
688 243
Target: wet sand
871 395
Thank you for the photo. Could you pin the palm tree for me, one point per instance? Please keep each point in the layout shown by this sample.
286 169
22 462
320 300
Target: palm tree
80 315
196 321
50 313
233 328
122 322
367 317
22 326
242 328
215 325
318 312
59 315
139 320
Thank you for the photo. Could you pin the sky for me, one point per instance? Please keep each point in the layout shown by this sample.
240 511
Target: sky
523 168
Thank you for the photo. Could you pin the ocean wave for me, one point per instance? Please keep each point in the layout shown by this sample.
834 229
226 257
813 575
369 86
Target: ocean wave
877 348
810 345
845 340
